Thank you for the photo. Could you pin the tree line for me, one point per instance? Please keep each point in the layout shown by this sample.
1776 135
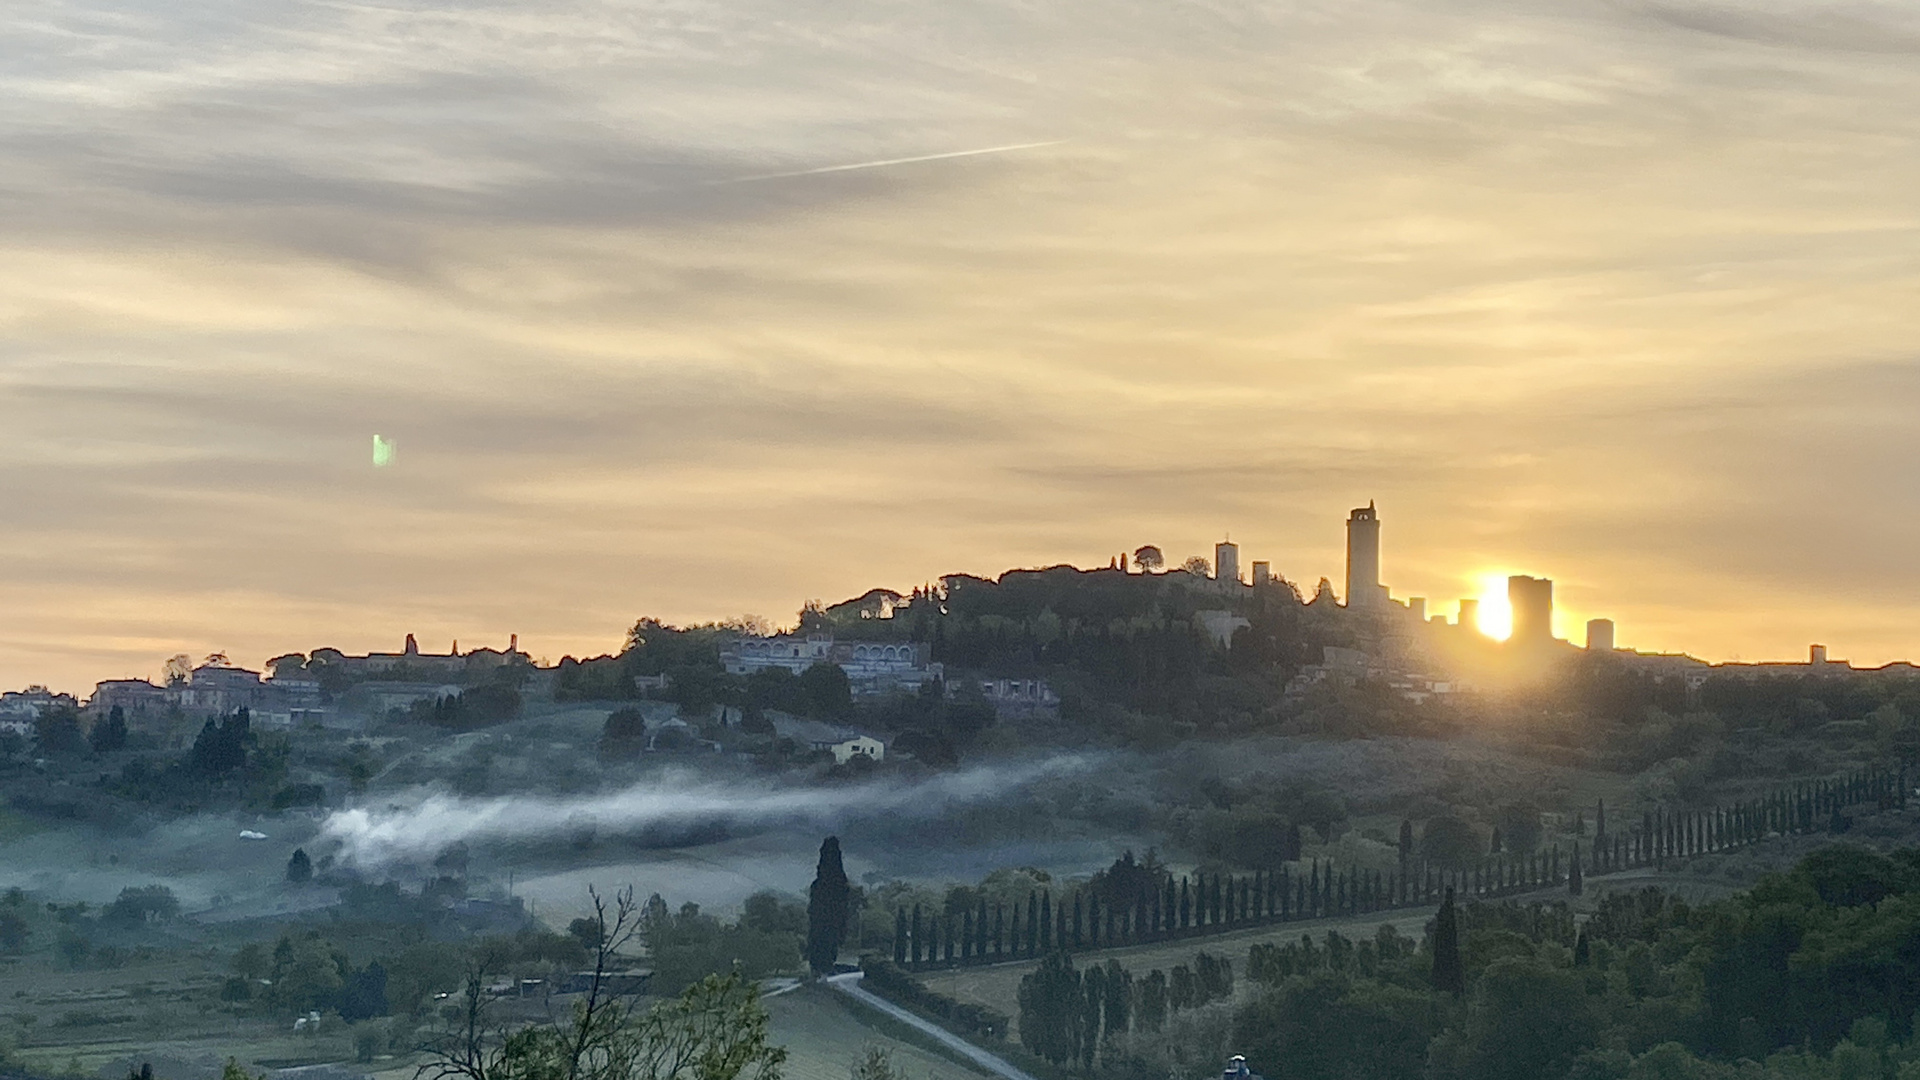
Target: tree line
1165 907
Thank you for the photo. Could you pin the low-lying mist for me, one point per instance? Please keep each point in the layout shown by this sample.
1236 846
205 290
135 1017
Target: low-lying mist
371 838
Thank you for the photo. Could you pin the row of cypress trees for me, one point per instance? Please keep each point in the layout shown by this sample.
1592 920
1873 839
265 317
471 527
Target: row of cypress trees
1203 904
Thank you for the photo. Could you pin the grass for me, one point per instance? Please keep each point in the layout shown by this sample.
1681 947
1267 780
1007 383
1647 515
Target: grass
824 1032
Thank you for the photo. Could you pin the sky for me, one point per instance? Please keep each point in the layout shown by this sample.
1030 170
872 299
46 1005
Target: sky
1619 293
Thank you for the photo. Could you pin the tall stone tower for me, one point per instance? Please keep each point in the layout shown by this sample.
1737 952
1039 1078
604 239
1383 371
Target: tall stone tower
1226 562
1363 557
1531 600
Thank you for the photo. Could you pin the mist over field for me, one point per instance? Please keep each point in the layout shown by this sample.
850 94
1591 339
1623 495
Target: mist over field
371 838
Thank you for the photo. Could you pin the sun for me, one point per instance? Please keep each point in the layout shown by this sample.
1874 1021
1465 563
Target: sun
1496 616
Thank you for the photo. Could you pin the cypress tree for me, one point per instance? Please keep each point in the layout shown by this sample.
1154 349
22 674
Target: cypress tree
299 867
1406 844
827 908
914 942
966 935
1093 922
1033 926
999 929
1093 985
1046 921
1078 941
1186 905
899 936
1600 821
980 931
1582 952
1060 924
1448 974
1574 880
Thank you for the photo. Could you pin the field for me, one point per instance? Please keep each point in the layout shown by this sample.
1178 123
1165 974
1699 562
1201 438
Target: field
95 1022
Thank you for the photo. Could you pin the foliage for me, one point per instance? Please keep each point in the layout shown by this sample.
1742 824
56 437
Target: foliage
473 708
222 745
56 731
110 732
716 1029
1051 1013
688 945
1450 843
137 906
828 909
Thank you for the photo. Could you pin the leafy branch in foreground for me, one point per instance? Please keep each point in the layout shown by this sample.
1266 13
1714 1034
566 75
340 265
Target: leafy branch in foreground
717 1029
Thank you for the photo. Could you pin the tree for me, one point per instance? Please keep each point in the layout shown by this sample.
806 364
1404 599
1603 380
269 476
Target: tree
826 691
13 932
828 908
716 1029
1197 565
250 962
624 733
299 867
141 905
1406 842
1152 1014
1450 843
1575 880
1520 827
1149 559
1449 976
365 994
109 734
1528 1019
1051 1010
57 731
306 974
874 1063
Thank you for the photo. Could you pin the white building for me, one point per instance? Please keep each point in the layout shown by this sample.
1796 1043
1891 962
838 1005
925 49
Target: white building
873 667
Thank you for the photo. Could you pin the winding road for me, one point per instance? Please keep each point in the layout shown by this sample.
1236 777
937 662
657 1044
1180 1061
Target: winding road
849 984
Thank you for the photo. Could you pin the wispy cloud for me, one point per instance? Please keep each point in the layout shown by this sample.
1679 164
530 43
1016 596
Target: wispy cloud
1617 291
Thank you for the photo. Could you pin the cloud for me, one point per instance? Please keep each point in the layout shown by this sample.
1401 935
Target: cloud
1565 284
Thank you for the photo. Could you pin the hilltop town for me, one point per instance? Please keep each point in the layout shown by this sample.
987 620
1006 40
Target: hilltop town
1136 650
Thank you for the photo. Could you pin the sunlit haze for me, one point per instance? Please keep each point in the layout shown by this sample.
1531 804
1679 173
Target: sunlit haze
1622 293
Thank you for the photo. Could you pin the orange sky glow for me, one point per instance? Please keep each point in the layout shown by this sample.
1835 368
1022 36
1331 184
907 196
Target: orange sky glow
1620 294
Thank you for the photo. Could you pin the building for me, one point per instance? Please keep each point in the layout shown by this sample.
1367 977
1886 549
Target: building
1417 606
844 744
1599 635
1020 699
1363 557
1531 601
410 664
218 689
141 703
873 667
1220 625
1226 562
1262 572
1469 615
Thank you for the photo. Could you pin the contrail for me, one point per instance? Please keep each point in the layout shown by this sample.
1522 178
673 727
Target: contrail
889 161
437 820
